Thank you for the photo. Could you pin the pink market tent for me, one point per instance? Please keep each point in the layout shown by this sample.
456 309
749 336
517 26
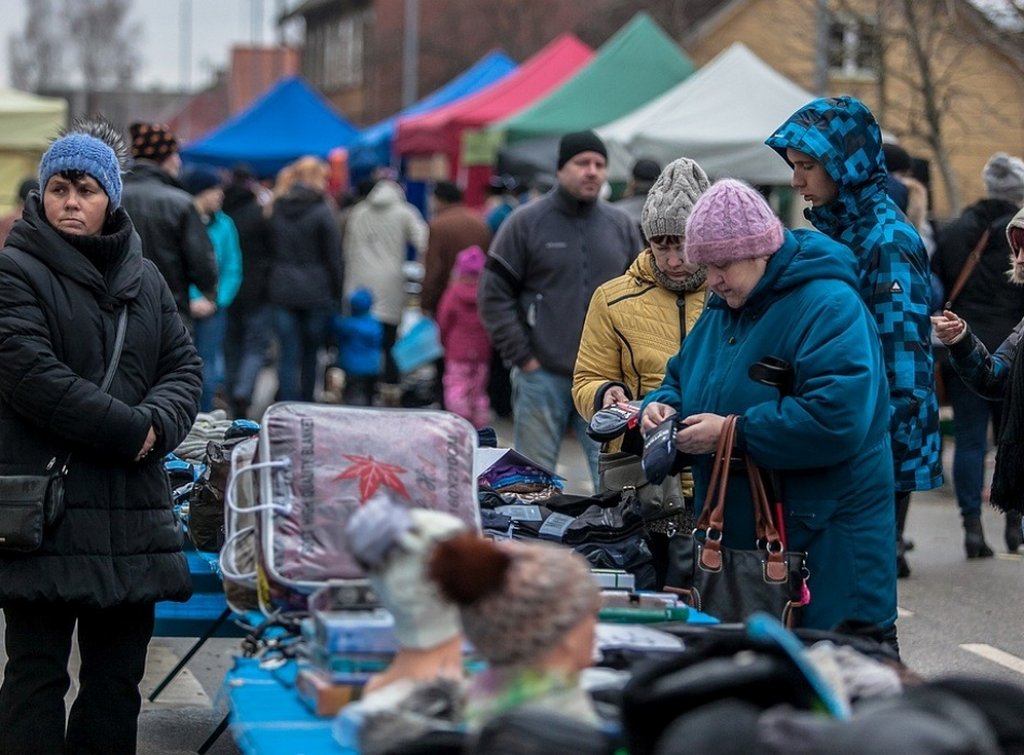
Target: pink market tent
440 131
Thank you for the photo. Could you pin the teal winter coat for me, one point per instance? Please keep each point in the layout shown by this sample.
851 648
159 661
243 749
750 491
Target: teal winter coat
892 270
828 441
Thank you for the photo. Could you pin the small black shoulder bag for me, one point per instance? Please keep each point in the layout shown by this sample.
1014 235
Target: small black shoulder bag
31 503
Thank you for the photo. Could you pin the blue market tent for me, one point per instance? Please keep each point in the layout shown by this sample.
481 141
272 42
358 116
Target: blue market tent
289 121
373 145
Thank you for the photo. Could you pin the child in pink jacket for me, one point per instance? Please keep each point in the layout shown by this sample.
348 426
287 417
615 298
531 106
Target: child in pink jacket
467 349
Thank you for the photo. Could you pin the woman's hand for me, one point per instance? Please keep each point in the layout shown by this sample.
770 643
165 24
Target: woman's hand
147 446
700 433
948 327
654 414
201 308
614 395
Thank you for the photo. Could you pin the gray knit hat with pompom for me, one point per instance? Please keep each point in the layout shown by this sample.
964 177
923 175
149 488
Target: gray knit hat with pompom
672 197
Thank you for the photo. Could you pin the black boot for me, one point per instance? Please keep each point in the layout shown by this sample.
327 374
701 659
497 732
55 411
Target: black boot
1013 533
974 539
902 506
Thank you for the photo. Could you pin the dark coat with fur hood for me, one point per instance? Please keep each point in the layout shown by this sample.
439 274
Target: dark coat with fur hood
119 540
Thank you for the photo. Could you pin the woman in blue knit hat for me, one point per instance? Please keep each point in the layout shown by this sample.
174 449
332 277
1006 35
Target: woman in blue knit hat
75 287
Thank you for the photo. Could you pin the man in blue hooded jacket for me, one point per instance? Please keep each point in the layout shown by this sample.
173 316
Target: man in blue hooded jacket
834 146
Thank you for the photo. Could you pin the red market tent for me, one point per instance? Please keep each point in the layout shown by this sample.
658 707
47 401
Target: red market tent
440 131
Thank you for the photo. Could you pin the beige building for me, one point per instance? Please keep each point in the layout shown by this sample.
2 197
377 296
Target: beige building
871 48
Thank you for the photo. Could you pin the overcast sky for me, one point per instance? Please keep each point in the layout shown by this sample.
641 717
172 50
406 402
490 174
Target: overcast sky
216 26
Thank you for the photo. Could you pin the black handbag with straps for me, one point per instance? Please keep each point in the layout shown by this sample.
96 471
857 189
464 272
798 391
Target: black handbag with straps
31 503
728 583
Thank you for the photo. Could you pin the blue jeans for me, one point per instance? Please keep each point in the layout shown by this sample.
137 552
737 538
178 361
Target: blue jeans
209 341
300 334
971 415
245 348
542 411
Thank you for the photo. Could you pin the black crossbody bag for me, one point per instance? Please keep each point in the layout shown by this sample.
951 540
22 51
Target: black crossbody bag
31 503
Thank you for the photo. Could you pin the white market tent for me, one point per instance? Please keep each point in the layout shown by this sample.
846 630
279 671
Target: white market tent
27 125
719 116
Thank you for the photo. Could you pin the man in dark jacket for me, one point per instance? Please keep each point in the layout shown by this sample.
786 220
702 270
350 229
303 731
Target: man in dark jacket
642 177
250 319
544 265
993 306
453 227
71 267
173 235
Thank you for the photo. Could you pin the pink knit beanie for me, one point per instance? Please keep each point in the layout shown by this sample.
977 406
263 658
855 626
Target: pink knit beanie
731 221
469 262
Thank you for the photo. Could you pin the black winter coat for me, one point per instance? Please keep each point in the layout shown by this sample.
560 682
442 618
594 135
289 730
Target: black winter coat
989 301
306 272
119 540
241 205
173 235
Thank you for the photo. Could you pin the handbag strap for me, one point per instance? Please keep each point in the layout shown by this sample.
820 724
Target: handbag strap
115 357
965 272
712 516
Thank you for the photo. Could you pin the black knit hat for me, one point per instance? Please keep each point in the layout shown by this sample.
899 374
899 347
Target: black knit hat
579 141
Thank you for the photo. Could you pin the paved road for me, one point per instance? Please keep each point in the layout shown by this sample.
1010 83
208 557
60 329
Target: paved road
957 617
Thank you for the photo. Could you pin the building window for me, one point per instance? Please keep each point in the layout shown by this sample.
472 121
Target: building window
853 47
337 49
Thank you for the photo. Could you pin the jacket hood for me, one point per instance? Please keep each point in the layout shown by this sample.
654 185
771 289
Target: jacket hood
146 170
1017 221
463 291
843 135
236 196
37 237
805 255
642 268
298 201
385 194
361 301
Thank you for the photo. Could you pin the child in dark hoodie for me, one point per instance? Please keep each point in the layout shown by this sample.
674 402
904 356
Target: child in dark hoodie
360 342
467 349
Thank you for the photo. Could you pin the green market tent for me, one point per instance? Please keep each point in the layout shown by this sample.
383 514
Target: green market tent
719 117
633 67
27 125
638 63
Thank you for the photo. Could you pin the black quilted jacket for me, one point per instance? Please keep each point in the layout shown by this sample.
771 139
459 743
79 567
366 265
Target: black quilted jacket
118 540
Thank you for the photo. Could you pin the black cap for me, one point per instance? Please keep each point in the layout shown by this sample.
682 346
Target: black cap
579 141
646 170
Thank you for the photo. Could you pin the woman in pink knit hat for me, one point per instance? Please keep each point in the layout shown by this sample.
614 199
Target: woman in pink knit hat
791 296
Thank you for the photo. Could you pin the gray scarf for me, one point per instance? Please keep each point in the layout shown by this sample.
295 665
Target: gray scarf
686 285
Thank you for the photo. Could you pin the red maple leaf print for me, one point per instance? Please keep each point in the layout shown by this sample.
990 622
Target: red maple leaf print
371 475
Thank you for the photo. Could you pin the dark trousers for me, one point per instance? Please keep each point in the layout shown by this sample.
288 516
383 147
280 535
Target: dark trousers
112 643
971 417
391 373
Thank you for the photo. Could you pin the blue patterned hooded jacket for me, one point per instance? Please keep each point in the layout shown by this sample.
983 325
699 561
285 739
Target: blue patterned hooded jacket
843 135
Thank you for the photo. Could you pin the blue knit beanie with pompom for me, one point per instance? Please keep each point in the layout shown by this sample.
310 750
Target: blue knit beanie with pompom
78 151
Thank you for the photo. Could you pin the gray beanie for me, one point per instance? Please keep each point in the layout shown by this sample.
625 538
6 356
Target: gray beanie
1004 178
671 198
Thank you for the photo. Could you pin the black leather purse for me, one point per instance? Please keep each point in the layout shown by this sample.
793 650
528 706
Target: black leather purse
31 503
731 584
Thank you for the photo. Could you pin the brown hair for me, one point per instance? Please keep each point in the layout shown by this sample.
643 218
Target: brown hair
468 568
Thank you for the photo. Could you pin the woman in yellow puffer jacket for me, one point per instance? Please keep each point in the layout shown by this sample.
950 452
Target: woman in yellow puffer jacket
635 323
